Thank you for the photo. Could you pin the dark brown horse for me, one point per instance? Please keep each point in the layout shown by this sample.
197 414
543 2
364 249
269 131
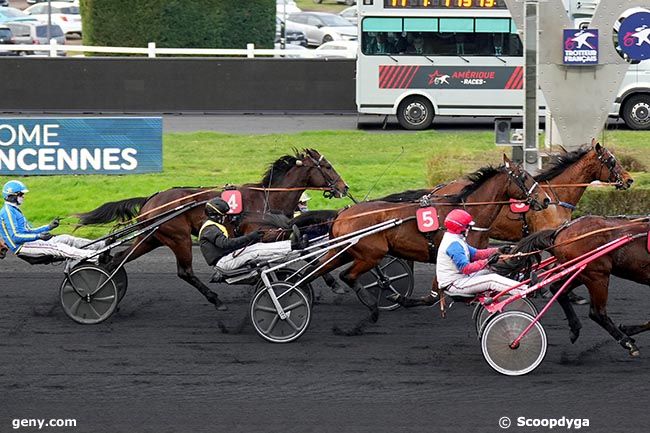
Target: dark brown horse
631 262
489 186
588 164
304 170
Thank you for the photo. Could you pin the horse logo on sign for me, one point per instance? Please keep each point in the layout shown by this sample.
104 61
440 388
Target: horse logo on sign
580 47
634 36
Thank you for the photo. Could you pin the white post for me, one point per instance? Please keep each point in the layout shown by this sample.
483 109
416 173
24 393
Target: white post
251 50
53 45
151 49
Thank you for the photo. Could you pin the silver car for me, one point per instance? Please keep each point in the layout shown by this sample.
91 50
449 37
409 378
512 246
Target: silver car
321 27
33 32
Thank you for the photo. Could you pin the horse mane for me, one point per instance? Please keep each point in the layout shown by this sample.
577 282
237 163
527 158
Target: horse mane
561 162
278 169
477 179
411 195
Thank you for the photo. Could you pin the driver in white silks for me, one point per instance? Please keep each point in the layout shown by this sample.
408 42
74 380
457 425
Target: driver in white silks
32 243
232 253
462 269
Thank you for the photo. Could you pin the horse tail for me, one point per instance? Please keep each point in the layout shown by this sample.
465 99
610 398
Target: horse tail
533 243
122 210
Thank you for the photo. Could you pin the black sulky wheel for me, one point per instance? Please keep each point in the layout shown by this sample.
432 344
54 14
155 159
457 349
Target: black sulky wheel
481 315
289 275
87 295
392 275
267 321
498 336
122 283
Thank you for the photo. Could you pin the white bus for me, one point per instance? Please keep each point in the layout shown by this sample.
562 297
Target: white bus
421 58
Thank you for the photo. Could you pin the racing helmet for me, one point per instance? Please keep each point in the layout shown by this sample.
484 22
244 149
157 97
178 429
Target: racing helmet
216 208
13 187
458 221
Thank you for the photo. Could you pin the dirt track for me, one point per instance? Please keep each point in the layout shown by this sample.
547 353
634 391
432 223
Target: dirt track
161 364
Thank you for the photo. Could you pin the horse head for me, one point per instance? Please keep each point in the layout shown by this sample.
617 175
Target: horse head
608 168
523 186
316 171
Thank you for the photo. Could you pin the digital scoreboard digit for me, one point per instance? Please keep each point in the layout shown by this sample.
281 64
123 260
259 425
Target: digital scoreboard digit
444 4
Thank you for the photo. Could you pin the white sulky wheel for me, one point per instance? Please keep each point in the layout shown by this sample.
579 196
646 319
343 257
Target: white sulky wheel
481 315
266 319
87 295
501 331
394 276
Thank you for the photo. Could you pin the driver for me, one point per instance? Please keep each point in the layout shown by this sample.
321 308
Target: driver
231 253
461 268
27 242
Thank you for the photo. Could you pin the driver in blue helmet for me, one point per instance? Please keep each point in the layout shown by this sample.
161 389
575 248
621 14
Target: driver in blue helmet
34 242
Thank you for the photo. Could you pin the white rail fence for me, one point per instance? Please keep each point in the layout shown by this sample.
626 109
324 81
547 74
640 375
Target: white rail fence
54 49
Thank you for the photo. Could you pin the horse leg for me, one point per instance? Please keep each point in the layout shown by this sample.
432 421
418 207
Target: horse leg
350 277
598 290
134 252
182 249
332 283
425 301
569 312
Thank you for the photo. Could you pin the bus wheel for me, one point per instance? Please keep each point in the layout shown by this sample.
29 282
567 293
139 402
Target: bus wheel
636 112
415 113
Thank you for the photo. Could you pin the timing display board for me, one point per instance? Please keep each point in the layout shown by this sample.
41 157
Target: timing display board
445 4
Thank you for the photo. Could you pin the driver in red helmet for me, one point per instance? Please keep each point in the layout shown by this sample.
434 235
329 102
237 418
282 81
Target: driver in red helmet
462 269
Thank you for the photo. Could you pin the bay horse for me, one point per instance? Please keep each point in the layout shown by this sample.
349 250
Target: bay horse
295 173
488 187
588 164
631 262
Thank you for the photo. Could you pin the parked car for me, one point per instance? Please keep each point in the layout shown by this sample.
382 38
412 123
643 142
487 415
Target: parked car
291 51
6 38
64 14
13 14
291 7
294 36
350 14
31 2
344 49
321 27
34 32
4 3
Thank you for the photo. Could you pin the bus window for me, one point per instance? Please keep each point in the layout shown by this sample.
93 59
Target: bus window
440 37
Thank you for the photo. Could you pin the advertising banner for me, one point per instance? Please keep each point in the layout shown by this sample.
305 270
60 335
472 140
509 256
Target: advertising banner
80 145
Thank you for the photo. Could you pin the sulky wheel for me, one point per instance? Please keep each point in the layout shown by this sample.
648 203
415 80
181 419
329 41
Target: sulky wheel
392 275
266 319
496 341
481 315
289 275
87 295
122 283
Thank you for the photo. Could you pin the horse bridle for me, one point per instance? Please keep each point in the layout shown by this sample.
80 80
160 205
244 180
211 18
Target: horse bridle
607 159
331 182
520 182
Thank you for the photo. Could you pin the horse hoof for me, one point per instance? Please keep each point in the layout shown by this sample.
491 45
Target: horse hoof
374 316
574 337
221 307
635 353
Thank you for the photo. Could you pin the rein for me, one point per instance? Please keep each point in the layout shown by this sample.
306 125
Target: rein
632 223
578 185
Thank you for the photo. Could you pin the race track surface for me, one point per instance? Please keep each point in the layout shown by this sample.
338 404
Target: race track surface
162 364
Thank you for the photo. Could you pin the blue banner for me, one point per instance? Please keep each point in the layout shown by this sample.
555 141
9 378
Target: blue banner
580 47
80 145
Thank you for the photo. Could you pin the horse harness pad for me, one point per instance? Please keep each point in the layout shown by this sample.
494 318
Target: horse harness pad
234 200
427 219
517 206
648 243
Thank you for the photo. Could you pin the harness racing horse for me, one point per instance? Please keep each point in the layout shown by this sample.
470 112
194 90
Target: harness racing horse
296 173
489 187
631 262
583 166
